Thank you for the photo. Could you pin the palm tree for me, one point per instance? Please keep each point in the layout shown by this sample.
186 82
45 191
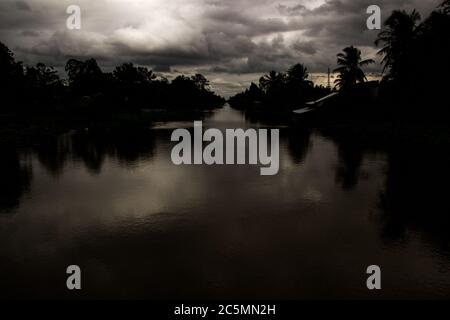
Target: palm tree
398 36
350 64
445 7
298 73
272 80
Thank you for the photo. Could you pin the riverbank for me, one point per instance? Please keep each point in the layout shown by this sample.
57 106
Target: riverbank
25 130
370 128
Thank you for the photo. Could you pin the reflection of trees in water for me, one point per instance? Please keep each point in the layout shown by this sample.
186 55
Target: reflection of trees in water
92 148
298 137
131 149
299 143
52 153
128 148
349 164
267 118
15 179
351 153
416 194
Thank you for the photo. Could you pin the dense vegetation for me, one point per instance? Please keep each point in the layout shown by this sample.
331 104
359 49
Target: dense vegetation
39 89
416 58
415 61
283 90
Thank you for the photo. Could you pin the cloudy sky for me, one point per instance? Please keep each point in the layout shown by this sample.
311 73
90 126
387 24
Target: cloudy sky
231 41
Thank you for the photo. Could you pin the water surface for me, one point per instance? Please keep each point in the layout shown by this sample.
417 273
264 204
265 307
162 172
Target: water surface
141 227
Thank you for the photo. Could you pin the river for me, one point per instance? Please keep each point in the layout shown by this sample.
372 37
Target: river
140 227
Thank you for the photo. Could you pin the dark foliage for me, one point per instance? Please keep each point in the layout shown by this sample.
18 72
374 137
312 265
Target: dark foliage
416 68
350 70
416 59
279 91
39 89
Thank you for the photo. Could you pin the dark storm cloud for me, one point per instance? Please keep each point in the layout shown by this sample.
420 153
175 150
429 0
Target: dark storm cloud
304 47
22 5
234 36
30 33
292 11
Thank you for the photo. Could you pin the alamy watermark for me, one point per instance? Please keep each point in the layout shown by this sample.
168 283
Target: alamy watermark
374 280
233 150
73 281
374 20
73 22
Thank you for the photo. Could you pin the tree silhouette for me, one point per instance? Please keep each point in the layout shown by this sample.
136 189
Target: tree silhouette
445 7
350 67
41 76
298 74
415 56
11 78
278 91
85 77
128 74
7 62
200 82
90 91
398 38
43 87
133 84
272 81
298 85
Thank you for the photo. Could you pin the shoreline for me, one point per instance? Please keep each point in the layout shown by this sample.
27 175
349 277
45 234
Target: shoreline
18 131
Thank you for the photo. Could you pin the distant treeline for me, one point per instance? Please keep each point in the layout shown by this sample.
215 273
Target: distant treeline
280 90
416 61
39 89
